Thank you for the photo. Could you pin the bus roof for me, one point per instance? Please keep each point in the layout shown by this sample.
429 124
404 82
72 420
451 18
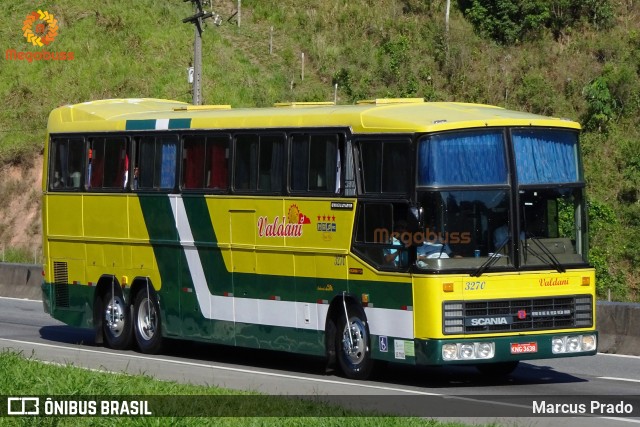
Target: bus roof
375 116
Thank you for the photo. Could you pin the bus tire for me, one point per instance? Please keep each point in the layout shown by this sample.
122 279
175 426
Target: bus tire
354 355
146 322
116 321
501 369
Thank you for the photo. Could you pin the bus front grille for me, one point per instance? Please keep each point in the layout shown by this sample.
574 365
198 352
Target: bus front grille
516 315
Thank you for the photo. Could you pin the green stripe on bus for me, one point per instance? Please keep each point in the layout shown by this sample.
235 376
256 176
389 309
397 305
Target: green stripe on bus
141 124
163 235
216 273
179 123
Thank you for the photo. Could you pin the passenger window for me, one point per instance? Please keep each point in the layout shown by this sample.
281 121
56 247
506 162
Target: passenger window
385 166
156 161
259 163
382 235
315 163
206 160
67 164
108 163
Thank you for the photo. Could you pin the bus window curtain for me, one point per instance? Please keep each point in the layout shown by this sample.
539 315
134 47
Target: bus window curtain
277 162
168 171
371 153
330 165
219 171
338 183
146 163
194 164
97 168
461 159
396 167
300 163
546 156
63 151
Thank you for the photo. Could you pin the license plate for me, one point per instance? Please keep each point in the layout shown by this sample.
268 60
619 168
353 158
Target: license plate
524 347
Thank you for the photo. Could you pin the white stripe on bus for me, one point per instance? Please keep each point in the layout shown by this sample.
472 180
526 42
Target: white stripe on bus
290 314
162 124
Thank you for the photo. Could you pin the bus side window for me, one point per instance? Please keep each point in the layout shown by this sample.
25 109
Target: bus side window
386 166
67 164
259 163
315 163
108 166
205 162
382 236
156 162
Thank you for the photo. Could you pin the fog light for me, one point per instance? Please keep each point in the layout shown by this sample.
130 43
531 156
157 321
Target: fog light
557 345
466 351
588 342
449 352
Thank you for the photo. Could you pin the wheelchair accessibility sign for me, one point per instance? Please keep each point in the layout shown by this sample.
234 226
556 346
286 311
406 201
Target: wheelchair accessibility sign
383 344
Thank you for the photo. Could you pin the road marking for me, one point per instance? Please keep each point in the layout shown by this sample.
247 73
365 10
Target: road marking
22 299
626 420
225 368
626 356
620 379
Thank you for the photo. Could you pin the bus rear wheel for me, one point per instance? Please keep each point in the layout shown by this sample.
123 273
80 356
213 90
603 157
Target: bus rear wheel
116 321
146 315
352 345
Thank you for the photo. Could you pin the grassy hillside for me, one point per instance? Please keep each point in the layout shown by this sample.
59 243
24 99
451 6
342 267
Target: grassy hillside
577 68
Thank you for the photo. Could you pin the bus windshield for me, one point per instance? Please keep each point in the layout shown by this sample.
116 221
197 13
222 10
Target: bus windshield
465 191
462 229
553 227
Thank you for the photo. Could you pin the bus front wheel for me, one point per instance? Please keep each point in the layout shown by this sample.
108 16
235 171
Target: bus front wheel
146 315
352 344
116 321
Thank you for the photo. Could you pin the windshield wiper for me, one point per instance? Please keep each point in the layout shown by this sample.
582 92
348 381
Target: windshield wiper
552 260
491 260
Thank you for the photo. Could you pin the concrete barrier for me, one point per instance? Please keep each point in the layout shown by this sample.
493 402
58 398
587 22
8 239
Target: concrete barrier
618 323
20 280
619 327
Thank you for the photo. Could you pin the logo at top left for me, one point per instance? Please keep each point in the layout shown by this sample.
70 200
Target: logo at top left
40 28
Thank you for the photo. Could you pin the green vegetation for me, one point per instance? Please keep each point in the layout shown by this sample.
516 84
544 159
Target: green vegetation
27 377
569 58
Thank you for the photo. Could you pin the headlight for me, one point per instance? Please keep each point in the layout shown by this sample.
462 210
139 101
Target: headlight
588 342
573 344
557 345
485 350
449 352
468 350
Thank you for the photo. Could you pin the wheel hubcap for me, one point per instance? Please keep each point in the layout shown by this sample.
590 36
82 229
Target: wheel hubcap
114 316
354 346
147 320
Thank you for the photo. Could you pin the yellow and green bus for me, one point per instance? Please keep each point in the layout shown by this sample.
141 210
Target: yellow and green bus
390 230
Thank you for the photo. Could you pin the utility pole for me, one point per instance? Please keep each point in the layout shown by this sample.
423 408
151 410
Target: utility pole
198 20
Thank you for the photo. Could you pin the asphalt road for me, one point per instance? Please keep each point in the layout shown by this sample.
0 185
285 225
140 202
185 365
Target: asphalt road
25 327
